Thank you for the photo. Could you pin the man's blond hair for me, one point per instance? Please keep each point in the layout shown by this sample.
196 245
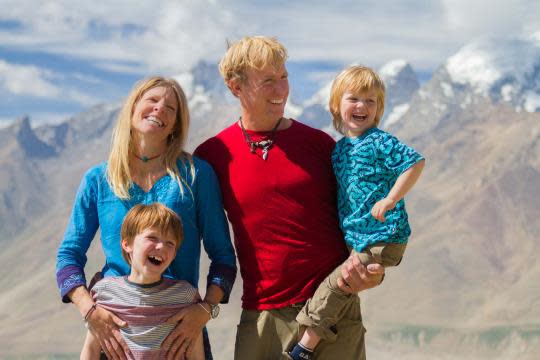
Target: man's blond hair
251 52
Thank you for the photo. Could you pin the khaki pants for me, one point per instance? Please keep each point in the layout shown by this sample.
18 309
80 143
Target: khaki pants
329 304
268 334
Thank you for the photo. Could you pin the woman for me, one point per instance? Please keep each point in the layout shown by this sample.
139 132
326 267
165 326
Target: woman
147 164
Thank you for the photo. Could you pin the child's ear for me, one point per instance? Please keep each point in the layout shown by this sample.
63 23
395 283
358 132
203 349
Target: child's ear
127 248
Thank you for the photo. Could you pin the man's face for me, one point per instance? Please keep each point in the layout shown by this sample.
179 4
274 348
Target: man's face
263 94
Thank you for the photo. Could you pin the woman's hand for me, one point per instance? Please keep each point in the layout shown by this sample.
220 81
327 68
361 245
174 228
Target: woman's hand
104 326
381 207
191 321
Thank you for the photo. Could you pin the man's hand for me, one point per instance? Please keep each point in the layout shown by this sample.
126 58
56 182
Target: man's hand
357 277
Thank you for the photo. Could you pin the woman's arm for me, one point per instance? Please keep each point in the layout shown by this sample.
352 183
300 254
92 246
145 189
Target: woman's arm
71 259
101 323
213 226
80 231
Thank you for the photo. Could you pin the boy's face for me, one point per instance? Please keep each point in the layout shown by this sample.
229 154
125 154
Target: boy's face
151 253
263 94
358 111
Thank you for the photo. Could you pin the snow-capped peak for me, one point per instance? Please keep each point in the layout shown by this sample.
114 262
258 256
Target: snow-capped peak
401 83
487 63
321 97
392 68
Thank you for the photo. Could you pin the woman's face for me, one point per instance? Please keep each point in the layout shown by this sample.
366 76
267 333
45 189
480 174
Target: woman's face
154 114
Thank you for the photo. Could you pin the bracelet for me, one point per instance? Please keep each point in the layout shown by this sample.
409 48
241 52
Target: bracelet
201 305
90 311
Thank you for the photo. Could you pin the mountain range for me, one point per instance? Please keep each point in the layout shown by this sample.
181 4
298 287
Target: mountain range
468 286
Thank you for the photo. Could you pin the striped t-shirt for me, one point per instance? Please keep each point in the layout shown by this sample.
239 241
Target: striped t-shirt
145 308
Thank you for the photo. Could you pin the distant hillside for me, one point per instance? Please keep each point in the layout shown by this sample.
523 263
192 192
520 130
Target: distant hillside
468 286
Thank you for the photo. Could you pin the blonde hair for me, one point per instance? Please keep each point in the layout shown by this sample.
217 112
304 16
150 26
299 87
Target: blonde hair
118 172
251 52
355 79
154 216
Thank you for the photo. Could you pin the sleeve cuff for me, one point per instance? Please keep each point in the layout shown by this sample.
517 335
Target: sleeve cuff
222 276
68 278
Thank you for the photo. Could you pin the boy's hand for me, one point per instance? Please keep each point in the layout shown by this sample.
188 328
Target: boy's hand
104 325
381 207
191 320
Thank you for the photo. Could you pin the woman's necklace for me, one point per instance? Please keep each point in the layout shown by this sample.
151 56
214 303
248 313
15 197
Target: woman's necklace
265 144
146 158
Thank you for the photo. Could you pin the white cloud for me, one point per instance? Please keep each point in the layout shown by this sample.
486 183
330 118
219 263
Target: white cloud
40 118
27 80
164 35
81 98
373 32
5 122
482 17
170 36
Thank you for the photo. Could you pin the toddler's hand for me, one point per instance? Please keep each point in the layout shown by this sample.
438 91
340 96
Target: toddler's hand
381 207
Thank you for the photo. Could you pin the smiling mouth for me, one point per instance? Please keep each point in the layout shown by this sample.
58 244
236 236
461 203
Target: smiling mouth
155 120
277 102
156 260
359 117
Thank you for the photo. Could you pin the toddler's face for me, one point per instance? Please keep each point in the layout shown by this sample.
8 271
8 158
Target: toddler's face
151 253
358 111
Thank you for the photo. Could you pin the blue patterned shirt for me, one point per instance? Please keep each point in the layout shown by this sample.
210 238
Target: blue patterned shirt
366 168
200 208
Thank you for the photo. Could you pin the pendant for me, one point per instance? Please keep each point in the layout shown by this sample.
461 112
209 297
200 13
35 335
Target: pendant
144 158
265 144
265 153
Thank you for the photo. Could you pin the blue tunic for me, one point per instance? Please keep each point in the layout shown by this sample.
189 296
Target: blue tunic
366 168
201 211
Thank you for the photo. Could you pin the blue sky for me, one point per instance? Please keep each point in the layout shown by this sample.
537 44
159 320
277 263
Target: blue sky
59 57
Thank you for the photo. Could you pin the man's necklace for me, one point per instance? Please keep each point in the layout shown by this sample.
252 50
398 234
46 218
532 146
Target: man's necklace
265 144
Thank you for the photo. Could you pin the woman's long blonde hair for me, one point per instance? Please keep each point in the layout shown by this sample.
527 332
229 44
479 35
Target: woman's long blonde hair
118 172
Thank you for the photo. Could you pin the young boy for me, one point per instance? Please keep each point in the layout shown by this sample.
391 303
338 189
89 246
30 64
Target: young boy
151 235
374 171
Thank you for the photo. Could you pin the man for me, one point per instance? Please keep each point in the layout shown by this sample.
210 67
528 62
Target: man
280 195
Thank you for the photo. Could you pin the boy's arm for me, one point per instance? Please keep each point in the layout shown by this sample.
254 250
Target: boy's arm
403 184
